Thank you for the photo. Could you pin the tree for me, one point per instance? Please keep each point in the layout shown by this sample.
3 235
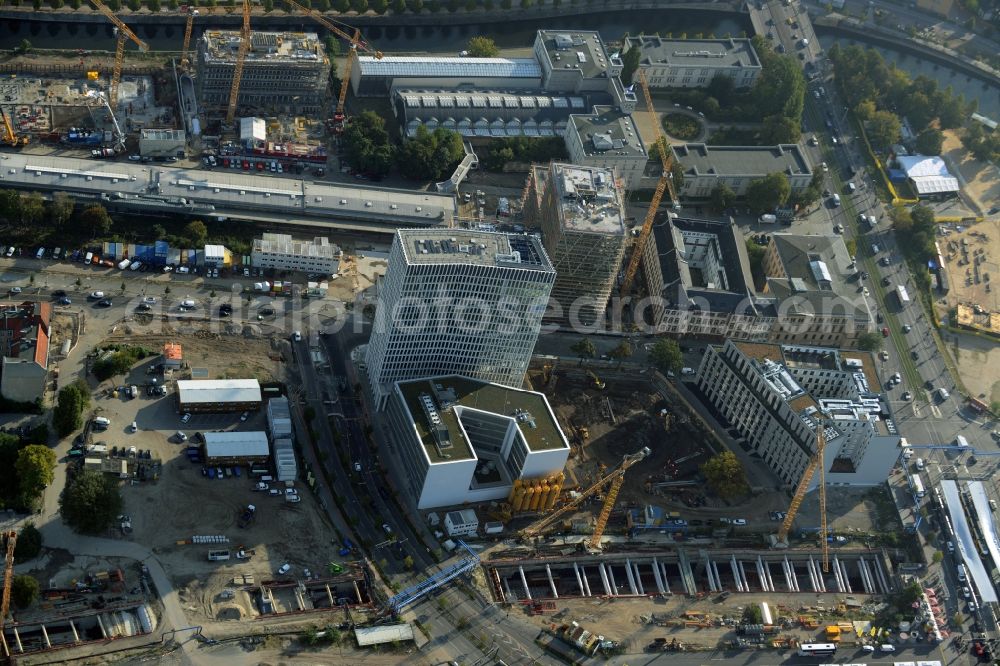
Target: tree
360 6
366 144
929 141
722 197
725 476
60 209
24 46
767 193
884 128
430 155
408 562
95 218
29 544
584 348
67 415
90 502
154 5
938 557
24 590
666 355
35 466
268 6
957 620
398 6
196 232
630 63
865 110
869 341
32 209
722 88
780 129
752 614
482 47
379 6
623 351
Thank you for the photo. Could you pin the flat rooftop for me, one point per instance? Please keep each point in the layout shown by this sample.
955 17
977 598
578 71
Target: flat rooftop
581 50
226 189
278 48
162 134
695 52
423 67
483 248
319 247
541 432
608 132
590 199
755 161
198 391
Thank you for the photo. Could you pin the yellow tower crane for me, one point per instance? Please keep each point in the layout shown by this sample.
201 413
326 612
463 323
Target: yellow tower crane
241 58
800 493
615 477
188 27
665 184
355 42
124 35
10 136
8 575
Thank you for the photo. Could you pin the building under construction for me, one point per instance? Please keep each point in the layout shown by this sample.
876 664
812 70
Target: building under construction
582 217
285 72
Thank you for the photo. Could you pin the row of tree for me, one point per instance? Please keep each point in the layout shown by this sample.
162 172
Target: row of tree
67 416
27 466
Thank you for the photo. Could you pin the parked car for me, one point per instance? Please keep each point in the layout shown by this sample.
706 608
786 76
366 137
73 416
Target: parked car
186 418
284 568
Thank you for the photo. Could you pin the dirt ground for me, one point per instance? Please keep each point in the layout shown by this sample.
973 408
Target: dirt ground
188 503
980 181
973 267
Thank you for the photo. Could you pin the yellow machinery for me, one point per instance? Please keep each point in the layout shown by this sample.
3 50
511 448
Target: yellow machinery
241 58
665 184
800 493
188 27
124 35
10 137
8 575
616 477
355 42
597 380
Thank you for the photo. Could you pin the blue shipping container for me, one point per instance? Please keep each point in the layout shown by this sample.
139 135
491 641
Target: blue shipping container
162 248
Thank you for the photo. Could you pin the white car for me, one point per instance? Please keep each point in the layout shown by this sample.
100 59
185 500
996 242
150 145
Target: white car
149 300
739 521
186 418
274 492
297 336
244 416
357 467
385 526
260 485
284 568
294 499
825 167
15 290
96 295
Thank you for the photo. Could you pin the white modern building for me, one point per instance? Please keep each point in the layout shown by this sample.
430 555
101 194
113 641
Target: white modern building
462 440
693 63
279 419
286 467
458 301
461 523
218 395
217 256
775 397
280 251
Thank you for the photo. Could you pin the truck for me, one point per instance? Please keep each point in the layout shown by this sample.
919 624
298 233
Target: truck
903 297
218 555
247 516
102 153
918 485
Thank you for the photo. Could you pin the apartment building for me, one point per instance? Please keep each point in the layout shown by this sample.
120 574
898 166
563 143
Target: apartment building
284 72
24 336
607 138
462 441
706 167
282 252
581 213
458 301
761 391
693 63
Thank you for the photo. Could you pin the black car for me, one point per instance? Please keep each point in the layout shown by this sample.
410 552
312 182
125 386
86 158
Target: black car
929 385
104 303
225 310
879 318
142 307
886 281
59 293
914 355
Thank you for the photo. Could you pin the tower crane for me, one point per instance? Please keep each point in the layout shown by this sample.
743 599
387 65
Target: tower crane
124 35
8 575
188 27
800 493
615 477
355 42
241 58
665 184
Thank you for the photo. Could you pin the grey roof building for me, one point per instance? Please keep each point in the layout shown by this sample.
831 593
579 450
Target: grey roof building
705 167
607 138
698 280
371 77
693 63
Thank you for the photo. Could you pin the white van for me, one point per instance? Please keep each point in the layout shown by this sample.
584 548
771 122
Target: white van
920 464
687 371
960 570
134 427
943 393
40 253
887 647
102 421
836 197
